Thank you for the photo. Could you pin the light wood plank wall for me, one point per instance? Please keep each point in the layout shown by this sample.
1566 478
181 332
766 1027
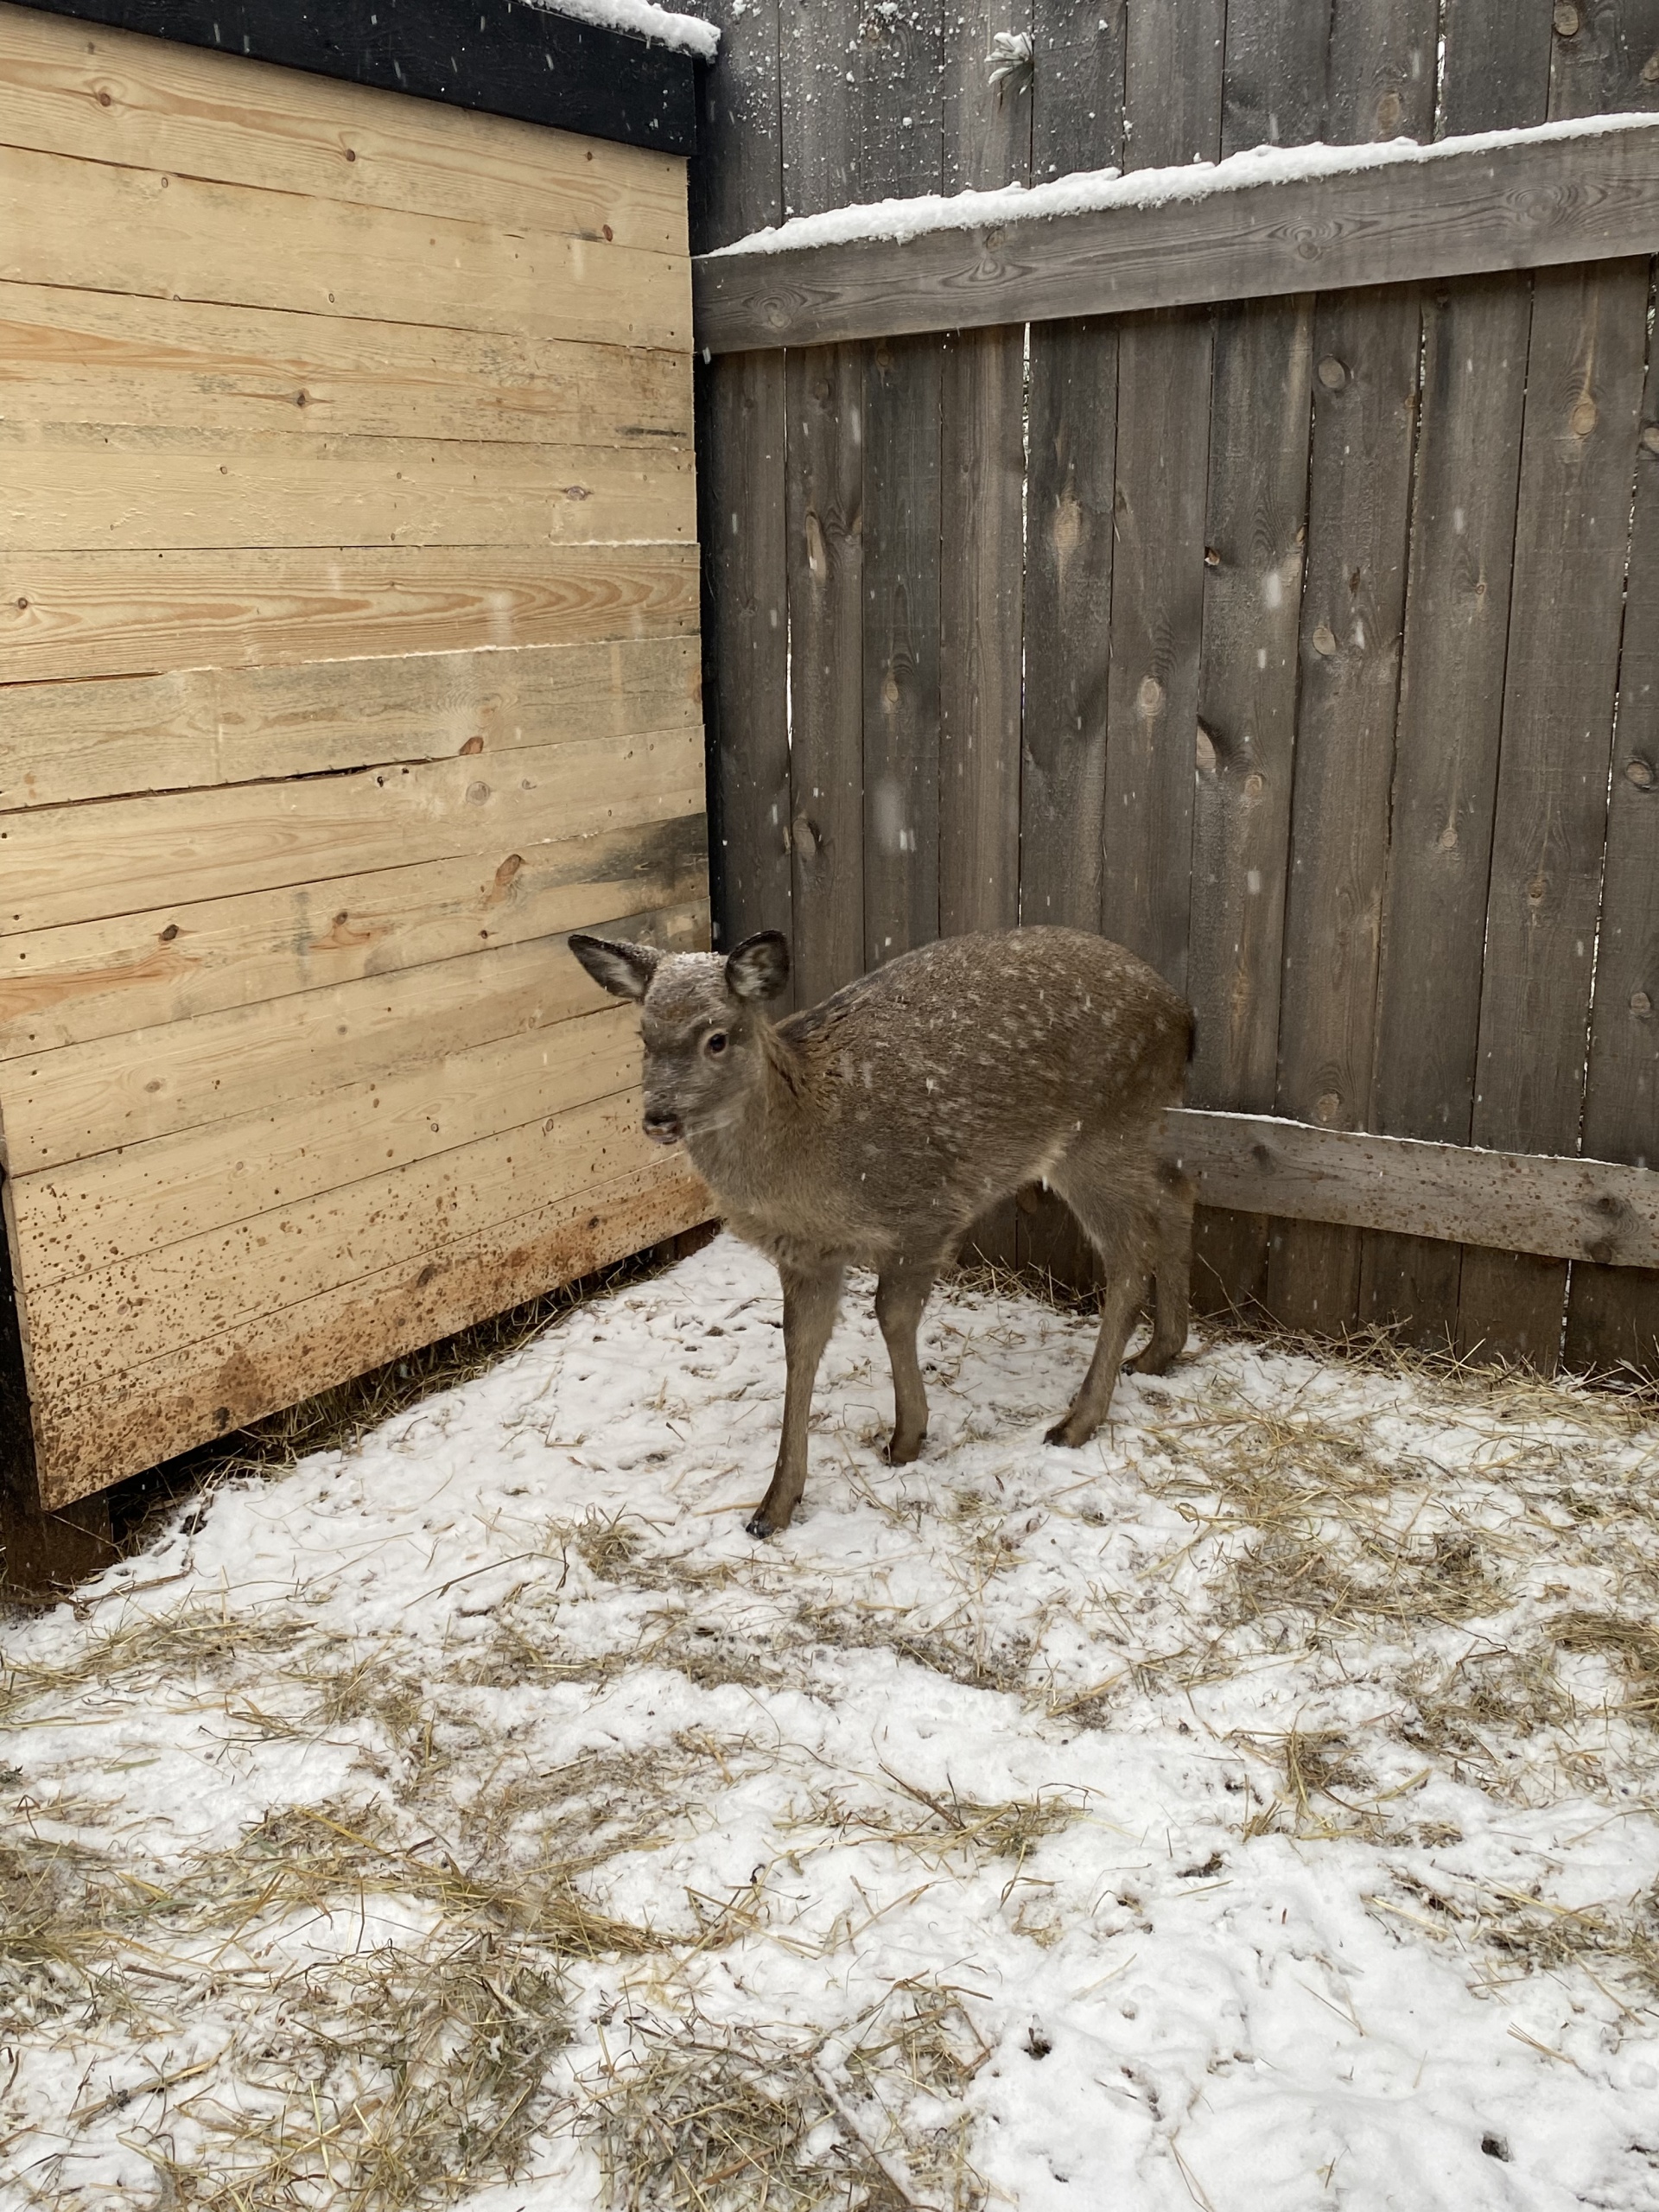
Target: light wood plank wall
348 659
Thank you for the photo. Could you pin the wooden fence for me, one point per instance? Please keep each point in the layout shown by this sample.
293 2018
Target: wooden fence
1309 643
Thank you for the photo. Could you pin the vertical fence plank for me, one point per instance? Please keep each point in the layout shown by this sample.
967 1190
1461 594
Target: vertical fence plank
1255 533
1171 106
1495 76
1613 1312
1606 56
1366 350
825 409
736 185
1077 123
1446 771
1584 382
1365 347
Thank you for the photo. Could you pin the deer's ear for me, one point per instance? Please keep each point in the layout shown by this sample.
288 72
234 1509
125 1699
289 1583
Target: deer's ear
625 970
759 968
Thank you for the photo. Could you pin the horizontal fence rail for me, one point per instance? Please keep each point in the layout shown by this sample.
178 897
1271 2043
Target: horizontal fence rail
1560 1209
1543 199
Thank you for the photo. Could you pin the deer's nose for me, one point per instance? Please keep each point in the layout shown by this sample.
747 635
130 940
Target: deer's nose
662 1126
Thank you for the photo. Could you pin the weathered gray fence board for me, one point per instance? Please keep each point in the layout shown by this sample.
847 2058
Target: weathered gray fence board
1604 56
1495 72
1613 1316
1365 354
1583 384
825 415
1538 1203
1434 918
1463 214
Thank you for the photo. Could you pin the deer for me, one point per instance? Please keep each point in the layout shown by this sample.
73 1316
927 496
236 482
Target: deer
873 1129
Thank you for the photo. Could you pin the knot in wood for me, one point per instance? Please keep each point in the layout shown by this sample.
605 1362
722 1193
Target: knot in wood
1565 20
477 793
1640 1005
1333 373
1325 640
1640 772
1150 696
1584 416
1650 438
1326 1109
1388 112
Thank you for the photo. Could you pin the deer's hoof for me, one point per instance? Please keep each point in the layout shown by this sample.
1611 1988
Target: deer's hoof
901 1450
757 1526
1061 1433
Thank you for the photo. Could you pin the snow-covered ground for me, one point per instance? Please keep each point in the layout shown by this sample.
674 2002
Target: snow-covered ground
1255 1810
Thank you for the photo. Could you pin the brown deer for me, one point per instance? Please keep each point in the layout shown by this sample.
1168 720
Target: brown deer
872 1131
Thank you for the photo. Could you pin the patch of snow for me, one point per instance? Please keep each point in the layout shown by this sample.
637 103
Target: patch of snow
1222 1814
642 19
1092 190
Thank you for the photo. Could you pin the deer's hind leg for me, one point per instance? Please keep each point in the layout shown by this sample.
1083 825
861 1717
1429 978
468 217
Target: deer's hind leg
1119 1213
901 1291
1173 1271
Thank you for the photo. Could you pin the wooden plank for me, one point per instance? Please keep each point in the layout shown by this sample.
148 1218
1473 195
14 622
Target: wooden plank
1446 750
84 1099
103 1324
826 603
81 614
138 230
1613 1318
196 727
1529 1202
1494 74
736 184
981 629
94 486
746 643
68 355
1584 388
93 1434
115 856
114 96
1535 204
901 574
1383 56
1077 123
1365 352
1255 545
1157 622
543 67
74 1219
1605 55
181 961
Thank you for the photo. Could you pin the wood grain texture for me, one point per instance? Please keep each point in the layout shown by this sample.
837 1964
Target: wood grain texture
91 1433
1446 767
1529 1201
1613 1318
98 357
1365 351
1584 388
902 569
180 961
1462 214
67 615
736 178
746 638
117 97
83 1099
112 856
196 727
982 630
77 1218
140 231
95 486
1256 544
826 616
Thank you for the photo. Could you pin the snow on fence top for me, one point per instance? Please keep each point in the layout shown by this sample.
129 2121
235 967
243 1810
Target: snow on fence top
1087 190
685 34
641 19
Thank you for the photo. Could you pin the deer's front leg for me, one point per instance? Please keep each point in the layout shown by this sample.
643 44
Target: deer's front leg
810 1298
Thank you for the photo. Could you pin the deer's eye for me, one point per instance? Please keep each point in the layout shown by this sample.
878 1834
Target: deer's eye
715 1043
